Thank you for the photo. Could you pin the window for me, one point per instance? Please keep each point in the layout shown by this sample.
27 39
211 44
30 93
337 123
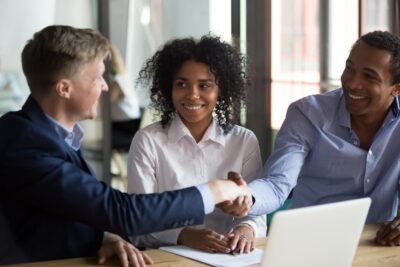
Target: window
295 54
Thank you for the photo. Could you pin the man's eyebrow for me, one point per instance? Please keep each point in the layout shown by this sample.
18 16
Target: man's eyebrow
372 71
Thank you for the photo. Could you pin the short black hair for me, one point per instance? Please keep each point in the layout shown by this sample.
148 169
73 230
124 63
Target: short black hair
226 63
386 41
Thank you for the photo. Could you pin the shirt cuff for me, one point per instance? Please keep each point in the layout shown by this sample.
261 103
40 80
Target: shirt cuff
208 199
258 206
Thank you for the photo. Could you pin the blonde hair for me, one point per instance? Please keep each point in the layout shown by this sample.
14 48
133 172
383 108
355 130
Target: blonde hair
58 51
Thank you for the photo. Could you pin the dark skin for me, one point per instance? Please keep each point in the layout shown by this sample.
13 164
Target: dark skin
369 92
194 95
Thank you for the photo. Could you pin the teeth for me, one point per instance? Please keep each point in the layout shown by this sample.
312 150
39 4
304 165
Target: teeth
355 96
192 107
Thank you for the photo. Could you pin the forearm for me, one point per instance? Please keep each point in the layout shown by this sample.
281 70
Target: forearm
268 196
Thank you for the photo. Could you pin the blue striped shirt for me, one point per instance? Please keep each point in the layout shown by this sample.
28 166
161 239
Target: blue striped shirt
318 154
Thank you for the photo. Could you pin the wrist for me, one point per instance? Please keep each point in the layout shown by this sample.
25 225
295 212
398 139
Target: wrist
248 226
182 236
109 237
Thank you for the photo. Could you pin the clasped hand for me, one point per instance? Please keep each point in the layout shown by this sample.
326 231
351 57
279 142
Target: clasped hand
239 207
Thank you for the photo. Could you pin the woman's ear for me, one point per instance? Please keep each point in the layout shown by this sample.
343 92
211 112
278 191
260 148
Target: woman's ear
63 88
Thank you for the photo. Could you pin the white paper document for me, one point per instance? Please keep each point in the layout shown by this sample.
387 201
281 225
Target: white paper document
217 259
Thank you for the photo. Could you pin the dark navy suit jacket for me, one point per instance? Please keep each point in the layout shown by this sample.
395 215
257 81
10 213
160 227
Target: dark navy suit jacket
52 206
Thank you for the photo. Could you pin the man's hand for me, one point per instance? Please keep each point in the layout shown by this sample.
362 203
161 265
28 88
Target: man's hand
228 190
128 255
389 233
241 205
204 239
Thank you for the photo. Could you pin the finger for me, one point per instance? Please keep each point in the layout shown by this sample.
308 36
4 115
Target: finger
223 240
383 231
237 178
396 222
241 245
393 234
147 258
219 248
224 205
248 247
135 258
219 243
122 256
103 254
234 242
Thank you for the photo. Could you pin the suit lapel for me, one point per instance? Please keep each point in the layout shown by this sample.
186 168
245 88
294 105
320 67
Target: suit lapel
85 166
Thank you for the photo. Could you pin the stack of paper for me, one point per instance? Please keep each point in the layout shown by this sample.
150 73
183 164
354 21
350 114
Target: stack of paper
217 259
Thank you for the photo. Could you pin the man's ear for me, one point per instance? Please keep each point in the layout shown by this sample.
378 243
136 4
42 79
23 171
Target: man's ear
63 88
396 90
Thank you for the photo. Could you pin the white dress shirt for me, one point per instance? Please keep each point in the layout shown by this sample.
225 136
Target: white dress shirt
163 159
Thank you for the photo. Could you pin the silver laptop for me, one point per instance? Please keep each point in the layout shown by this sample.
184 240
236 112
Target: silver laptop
321 236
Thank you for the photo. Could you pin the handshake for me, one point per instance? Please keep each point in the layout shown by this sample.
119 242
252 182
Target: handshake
232 195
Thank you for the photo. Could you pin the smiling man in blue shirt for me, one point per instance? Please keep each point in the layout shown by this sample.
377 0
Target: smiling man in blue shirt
344 144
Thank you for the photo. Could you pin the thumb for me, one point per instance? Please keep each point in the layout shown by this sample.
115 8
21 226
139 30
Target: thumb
236 177
102 259
103 255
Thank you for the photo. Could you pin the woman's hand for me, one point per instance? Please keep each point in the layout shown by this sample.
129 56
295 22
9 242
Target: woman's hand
128 254
242 239
204 239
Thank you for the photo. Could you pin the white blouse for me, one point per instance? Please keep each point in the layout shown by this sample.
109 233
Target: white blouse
164 159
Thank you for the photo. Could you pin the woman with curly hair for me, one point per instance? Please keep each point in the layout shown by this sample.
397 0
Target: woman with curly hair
196 86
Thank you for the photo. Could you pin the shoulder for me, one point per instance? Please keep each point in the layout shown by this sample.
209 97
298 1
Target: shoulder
150 134
241 134
152 129
316 107
319 102
20 133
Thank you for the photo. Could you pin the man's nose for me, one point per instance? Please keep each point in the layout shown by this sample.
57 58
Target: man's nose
356 82
104 86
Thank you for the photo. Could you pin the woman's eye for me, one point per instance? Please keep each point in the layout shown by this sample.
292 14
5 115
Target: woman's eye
181 84
205 86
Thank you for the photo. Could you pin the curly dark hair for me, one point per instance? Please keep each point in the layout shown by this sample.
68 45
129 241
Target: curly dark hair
386 41
226 63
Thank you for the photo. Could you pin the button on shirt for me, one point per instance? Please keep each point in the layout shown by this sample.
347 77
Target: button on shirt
318 154
163 159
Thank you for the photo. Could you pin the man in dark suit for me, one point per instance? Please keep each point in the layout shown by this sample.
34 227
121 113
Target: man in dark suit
51 205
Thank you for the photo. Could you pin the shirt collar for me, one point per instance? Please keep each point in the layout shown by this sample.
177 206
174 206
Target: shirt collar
177 130
72 138
344 115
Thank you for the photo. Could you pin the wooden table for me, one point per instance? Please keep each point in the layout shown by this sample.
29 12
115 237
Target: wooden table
368 255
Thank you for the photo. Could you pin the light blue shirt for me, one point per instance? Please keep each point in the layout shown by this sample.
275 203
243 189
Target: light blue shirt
318 154
72 138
